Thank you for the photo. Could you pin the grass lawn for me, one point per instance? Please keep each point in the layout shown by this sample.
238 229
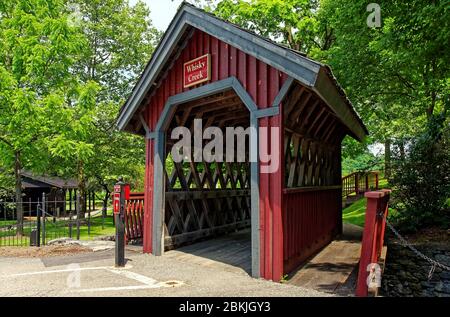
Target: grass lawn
60 229
7 222
355 213
382 183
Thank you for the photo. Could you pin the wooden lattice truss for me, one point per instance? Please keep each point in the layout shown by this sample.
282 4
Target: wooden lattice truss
313 136
202 198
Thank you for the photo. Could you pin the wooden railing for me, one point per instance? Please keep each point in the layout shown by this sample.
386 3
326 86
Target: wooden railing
311 219
359 182
134 216
373 238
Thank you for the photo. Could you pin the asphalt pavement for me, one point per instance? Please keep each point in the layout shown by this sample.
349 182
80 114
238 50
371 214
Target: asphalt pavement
94 274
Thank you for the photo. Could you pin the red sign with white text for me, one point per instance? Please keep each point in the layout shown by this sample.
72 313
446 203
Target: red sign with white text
116 202
197 71
116 196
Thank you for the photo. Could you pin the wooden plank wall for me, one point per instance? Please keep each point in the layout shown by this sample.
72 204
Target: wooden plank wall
310 223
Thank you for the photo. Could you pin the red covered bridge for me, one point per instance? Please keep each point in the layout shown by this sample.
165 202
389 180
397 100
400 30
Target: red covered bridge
242 80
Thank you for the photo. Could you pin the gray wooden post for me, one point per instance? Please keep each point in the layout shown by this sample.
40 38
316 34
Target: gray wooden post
120 226
78 209
70 200
44 208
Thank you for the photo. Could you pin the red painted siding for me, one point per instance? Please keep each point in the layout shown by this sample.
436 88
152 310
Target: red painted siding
311 220
226 61
263 83
148 196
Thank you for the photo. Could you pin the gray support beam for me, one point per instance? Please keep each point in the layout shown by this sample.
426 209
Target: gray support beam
254 197
283 91
159 136
267 112
200 92
158 195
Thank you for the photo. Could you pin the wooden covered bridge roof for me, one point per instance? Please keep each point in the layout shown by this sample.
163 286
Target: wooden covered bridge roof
315 76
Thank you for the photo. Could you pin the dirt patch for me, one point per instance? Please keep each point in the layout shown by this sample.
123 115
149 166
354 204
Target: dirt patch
437 235
44 251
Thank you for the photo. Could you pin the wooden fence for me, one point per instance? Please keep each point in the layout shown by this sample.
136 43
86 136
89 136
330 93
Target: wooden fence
373 238
359 182
311 219
134 217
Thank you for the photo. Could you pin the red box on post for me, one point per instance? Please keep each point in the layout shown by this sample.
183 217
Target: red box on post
116 196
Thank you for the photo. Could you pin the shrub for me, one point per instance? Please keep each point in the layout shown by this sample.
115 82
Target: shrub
421 179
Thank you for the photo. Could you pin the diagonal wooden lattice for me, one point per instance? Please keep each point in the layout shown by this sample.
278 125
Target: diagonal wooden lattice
308 163
202 198
311 141
205 198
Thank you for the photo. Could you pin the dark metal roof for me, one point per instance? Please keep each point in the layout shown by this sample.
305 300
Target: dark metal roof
29 180
308 72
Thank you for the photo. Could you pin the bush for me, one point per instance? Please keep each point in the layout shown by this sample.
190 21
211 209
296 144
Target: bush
421 180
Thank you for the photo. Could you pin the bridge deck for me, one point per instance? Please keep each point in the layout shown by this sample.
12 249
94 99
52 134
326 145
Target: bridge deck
334 269
231 252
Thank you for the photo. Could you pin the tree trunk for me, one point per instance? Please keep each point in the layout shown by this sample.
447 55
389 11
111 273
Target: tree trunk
19 205
401 147
387 158
81 210
105 200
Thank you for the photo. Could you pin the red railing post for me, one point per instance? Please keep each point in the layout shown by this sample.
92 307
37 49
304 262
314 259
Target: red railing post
385 206
373 236
367 242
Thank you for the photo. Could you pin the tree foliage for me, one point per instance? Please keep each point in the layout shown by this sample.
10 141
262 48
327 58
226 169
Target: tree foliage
291 22
65 70
43 106
421 179
120 40
397 75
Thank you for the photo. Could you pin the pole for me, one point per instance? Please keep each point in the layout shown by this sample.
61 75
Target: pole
43 218
78 207
119 189
103 216
38 224
89 218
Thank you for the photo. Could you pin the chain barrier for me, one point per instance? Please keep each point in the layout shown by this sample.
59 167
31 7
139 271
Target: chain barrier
419 254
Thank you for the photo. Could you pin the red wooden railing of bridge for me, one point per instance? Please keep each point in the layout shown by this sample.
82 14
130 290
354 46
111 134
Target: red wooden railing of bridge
134 216
359 182
373 236
311 219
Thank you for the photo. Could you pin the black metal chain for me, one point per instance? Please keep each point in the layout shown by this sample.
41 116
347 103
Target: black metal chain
405 243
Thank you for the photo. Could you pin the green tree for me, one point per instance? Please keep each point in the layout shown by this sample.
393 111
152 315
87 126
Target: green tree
39 96
397 74
290 22
120 41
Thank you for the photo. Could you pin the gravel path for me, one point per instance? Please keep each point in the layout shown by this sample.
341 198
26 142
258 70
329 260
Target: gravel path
44 251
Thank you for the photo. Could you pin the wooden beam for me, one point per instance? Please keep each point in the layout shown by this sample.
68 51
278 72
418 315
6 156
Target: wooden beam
296 112
316 119
293 97
316 132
